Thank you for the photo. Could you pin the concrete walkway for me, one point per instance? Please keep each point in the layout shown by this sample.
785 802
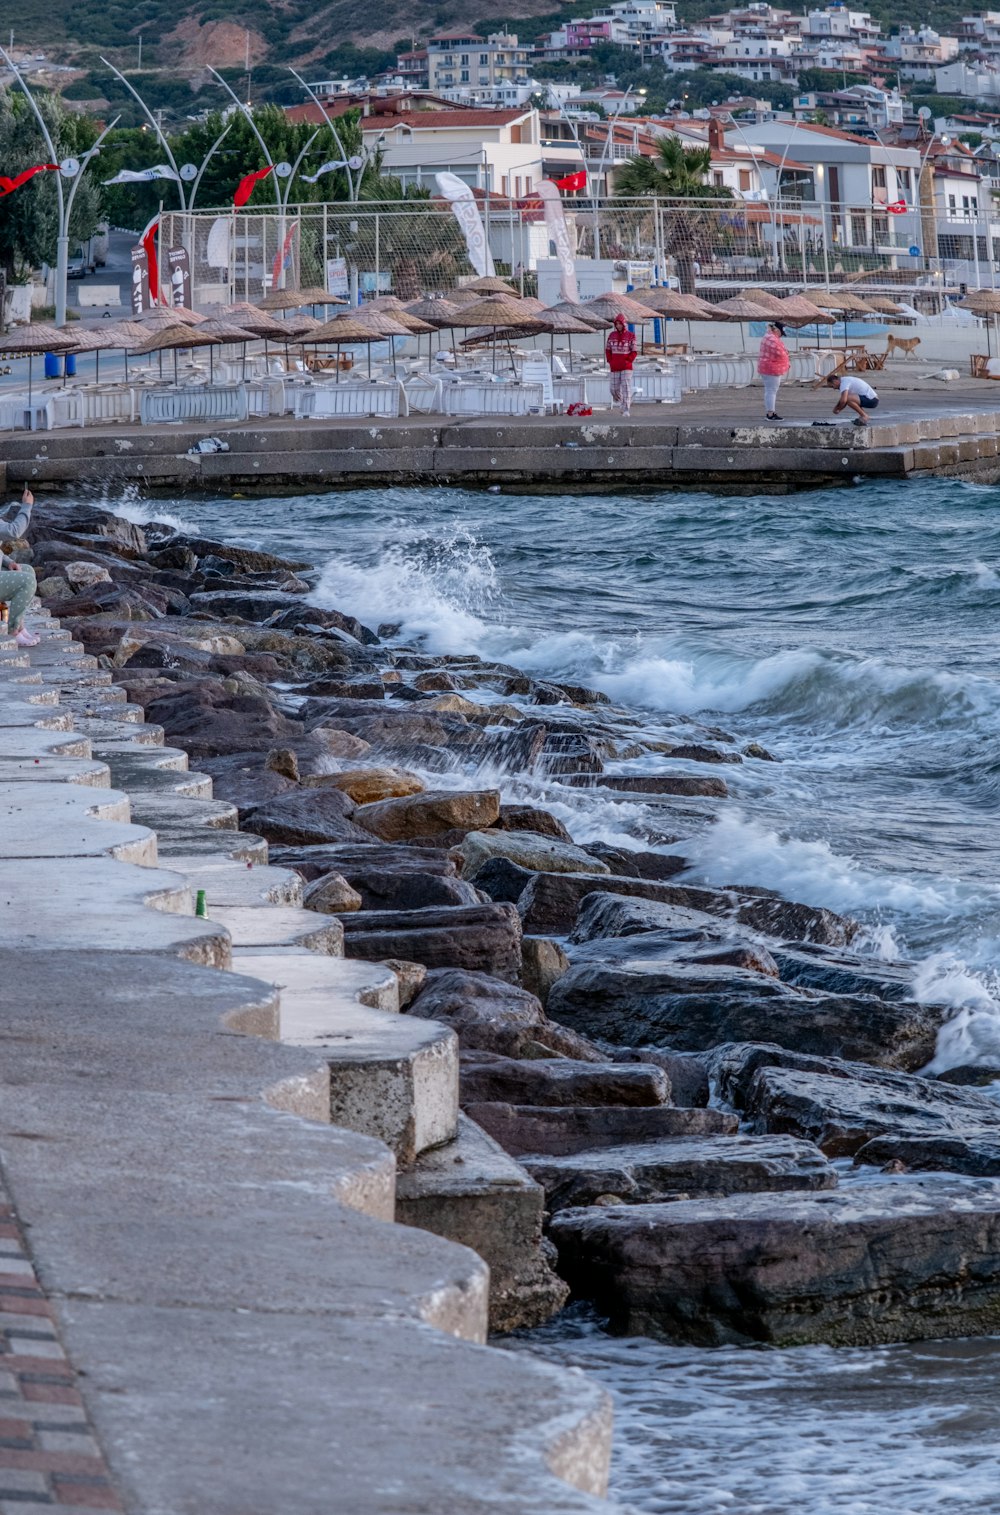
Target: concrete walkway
206 1307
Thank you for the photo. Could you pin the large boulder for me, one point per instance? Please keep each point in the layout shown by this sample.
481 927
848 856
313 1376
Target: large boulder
855 1111
902 1261
432 813
306 817
487 1015
528 849
543 963
331 895
366 786
686 784
550 901
532 818
558 1129
681 1167
246 780
207 721
680 908
693 1006
491 1078
486 938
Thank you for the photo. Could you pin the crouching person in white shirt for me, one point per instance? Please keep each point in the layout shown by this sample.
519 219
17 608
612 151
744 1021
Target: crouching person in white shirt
855 394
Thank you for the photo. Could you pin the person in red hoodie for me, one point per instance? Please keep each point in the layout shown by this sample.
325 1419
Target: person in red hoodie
620 352
773 363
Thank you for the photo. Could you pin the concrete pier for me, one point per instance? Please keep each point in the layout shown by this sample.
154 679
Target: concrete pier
217 1300
713 440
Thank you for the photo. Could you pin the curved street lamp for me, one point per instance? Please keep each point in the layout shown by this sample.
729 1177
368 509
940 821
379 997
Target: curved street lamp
69 169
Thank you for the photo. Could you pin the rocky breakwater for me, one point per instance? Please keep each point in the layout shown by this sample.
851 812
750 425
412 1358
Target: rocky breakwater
663 1085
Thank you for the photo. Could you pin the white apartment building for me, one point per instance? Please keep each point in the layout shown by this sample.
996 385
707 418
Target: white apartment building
838 21
977 80
920 53
980 34
759 58
498 151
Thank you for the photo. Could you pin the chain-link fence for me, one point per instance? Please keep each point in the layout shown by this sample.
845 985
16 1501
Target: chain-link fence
409 249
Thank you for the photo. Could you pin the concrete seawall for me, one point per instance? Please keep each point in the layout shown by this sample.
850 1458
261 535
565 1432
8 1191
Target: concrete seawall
728 450
241 1324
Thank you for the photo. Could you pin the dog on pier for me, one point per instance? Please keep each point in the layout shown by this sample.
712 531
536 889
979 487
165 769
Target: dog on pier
908 345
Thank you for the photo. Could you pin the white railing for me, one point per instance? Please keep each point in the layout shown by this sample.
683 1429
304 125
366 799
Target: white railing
209 403
492 399
327 401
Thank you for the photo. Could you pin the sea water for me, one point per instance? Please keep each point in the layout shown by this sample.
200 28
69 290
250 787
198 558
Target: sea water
853 633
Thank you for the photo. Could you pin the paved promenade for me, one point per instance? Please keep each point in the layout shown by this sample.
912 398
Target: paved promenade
714 440
207 1309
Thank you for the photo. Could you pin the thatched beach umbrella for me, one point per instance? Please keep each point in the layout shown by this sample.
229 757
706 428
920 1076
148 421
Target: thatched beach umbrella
740 310
168 315
762 297
432 309
345 331
491 284
504 313
579 312
315 294
26 341
561 323
677 307
612 304
281 299
228 333
173 339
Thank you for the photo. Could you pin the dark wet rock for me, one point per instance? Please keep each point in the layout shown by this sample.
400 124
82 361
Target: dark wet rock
793 922
533 818
695 1006
502 880
970 1075
483 938
406 693
681 1167
755 750
208 722
486 1014
580 694
550 901
306 817
626 864
421 815
569 752
679 908
491 1078
528 849
581 1128
354 686
543 963
855 1111
244 559
362 863
686 784
245 779
698 752
898 1261
388 730
514 750
687 1071
837 971
299 616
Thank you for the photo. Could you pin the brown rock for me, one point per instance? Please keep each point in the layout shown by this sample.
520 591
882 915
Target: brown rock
543 963
560 1129
411 977
429 814
533 818
492 1078
367 786
473 937
305 817
330 895
486 1014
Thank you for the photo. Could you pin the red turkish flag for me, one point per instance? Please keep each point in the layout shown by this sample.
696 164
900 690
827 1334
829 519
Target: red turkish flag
897 208
573 181
148 242
8 186
248 183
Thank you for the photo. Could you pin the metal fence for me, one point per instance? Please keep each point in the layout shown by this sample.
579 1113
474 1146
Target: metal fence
412 248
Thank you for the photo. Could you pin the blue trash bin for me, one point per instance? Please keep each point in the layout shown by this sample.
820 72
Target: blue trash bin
70 361
52 369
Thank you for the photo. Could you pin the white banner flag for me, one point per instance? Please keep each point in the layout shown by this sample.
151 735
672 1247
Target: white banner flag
328 168
217 249
463 203
555 225
145 175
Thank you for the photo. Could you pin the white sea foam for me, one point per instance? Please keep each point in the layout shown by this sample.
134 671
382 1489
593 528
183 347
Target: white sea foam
985 576
741 851
972 1034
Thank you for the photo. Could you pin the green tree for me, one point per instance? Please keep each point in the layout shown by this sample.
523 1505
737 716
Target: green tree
29 221
677 173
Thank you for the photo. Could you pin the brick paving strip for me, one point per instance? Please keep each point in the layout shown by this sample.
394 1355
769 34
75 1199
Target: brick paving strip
49 1454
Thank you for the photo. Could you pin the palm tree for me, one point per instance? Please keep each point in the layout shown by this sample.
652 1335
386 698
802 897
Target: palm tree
677 173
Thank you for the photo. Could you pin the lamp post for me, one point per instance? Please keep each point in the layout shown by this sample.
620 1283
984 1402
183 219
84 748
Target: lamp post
353 185
70 169
591 178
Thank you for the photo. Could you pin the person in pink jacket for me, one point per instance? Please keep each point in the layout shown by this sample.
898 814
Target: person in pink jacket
773 363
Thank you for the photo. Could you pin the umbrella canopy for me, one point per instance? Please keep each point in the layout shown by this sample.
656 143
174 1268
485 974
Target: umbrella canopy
561 321
433 310
845 302
94 338
168 315
611 304
299 327
344 329
738 309
762 297
174 337
798 310
496 310
382 322
38 337
581 313
489 284
257 322
282 299
315 294
224 331
881 303
487 336
981 301
466 296
389 305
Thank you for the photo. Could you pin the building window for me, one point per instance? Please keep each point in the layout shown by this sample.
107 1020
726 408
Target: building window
464 58
465 76
878 176
484 58
717 178
744 180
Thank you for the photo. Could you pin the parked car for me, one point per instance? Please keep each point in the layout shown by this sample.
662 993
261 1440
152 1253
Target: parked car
78 270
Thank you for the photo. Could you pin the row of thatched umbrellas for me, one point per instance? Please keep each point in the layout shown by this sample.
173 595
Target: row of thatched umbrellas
489 309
